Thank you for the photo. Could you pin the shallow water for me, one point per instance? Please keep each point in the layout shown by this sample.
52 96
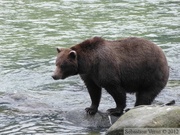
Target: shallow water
31 102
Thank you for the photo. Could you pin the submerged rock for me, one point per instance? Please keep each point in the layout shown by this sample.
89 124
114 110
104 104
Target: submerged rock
81 118
147 117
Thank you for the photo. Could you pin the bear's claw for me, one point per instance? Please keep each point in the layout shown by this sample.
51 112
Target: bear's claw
91 111
115 112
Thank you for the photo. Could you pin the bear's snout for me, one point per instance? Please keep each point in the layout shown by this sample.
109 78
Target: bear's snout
57 74
55 77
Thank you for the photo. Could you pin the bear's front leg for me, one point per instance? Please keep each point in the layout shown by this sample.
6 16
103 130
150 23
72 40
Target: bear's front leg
119 96
95 95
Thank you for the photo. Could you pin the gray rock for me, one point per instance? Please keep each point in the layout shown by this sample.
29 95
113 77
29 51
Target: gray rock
82 119
147 117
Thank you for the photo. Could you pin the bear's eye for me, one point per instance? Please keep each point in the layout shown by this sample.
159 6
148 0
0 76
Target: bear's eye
63 66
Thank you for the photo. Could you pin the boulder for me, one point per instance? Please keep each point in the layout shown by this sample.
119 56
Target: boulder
147 117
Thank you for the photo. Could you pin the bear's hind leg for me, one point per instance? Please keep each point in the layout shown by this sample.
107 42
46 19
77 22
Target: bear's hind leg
146 97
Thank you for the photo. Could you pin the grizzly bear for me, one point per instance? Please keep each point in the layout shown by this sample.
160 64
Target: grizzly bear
130 65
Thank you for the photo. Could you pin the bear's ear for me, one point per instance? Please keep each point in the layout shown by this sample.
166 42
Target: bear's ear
73 54
58 50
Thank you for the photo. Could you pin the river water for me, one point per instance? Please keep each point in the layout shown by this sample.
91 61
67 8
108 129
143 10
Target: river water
31 102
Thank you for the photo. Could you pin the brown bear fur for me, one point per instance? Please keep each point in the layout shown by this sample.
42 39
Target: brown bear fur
131 65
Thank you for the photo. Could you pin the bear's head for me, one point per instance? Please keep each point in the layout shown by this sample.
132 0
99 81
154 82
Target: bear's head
66 64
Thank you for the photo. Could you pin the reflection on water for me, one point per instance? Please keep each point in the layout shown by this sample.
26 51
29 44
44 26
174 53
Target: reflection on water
30 101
